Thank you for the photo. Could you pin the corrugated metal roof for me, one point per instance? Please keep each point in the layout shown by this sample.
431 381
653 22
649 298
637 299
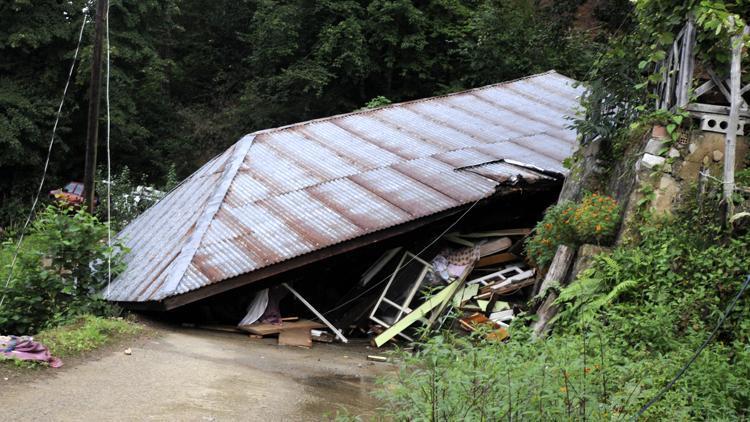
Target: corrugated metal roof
281 193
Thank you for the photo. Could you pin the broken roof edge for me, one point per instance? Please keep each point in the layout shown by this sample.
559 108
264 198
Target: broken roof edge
415 101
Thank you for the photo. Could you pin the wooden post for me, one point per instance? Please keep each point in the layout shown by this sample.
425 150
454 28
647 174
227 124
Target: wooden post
558 272
687 63
93 116
730 145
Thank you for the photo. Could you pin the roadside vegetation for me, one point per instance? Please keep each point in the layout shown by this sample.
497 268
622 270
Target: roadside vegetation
54 290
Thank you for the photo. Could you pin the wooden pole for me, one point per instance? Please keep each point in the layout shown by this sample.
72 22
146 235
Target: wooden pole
89 188
317 314
730 145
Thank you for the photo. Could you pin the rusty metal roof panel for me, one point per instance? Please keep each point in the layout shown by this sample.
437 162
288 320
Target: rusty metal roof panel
362 207
344 143
283 193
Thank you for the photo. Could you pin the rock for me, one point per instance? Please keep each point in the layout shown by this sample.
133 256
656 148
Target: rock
585 257
665 194
706 161
673 153
654 146
692 148
667 168
128 351
717 155
650 161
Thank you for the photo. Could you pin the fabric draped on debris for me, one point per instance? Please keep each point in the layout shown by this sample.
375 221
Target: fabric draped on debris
449 264
25 348
256 308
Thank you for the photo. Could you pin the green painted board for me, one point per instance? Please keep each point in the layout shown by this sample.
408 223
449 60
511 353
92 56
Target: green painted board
416 314
465 294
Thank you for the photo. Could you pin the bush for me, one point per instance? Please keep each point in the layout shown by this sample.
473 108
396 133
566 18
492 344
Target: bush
594 220
59 274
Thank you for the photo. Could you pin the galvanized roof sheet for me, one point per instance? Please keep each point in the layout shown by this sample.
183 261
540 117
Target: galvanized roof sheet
281 193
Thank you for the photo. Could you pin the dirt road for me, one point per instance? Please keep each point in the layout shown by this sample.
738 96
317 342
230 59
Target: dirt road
197 375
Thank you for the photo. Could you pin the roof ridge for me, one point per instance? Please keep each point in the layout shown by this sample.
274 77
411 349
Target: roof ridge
213 204
403 103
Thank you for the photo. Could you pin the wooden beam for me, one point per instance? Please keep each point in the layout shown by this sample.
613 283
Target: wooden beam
704 88
713 109
317 314
719 84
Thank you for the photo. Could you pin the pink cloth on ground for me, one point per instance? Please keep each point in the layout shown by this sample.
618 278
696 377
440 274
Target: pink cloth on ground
31 350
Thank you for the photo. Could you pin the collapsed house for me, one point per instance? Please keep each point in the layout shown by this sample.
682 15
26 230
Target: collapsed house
362 193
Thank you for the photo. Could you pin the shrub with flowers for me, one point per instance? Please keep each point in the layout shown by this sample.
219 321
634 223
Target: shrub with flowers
594 220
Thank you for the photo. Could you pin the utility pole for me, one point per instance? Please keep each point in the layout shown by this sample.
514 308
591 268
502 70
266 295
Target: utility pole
89 188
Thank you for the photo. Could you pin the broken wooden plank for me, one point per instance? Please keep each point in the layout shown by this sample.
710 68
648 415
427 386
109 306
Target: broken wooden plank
265 328
378 265
500 258
317 314
513 283
502 316
455 239
296 337
494 246
417 314
439 310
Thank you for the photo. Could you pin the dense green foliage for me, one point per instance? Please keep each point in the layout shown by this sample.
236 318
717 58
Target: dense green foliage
60 271
627 325
190 77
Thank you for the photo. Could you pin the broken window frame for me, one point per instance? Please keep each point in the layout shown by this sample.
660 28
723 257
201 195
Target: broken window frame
403 308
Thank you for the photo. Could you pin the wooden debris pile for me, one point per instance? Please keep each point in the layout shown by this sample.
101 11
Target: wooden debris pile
471 284
479 281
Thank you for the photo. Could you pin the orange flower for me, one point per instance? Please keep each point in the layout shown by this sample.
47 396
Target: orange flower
598 228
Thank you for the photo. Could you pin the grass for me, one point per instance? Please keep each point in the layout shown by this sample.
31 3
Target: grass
77 338
86 334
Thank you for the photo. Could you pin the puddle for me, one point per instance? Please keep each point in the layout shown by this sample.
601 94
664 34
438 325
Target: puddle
338 393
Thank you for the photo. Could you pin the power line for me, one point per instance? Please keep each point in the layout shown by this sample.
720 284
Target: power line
46 162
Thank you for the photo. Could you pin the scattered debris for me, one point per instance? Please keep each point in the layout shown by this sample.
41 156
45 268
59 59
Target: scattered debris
376 358
128 352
